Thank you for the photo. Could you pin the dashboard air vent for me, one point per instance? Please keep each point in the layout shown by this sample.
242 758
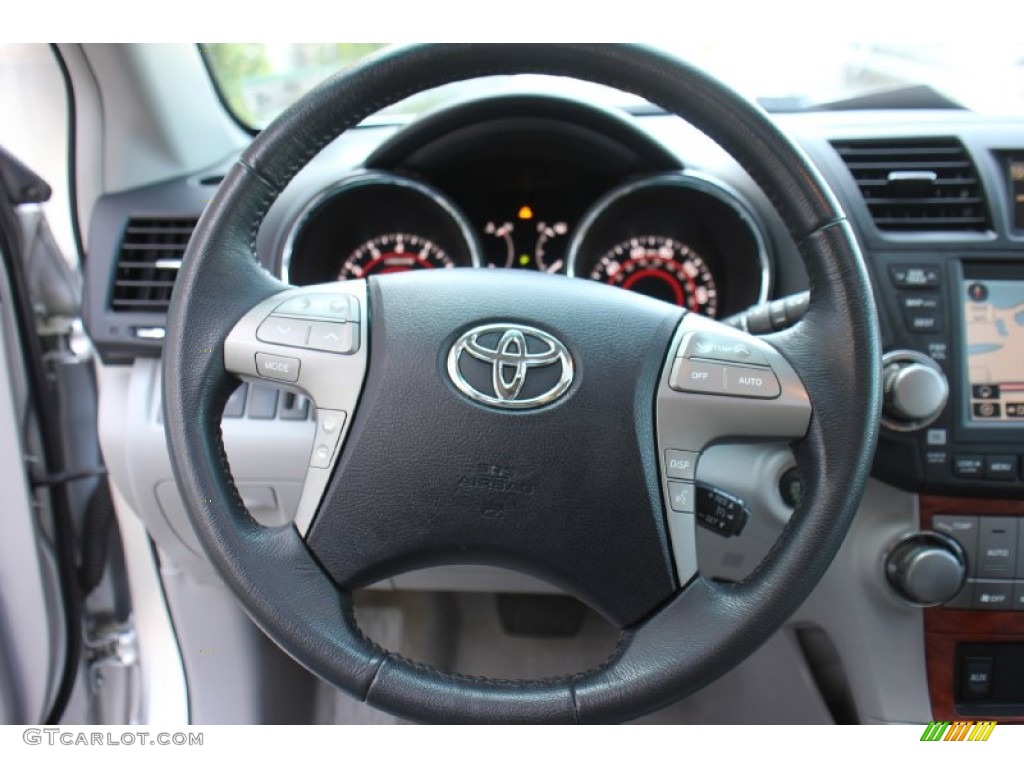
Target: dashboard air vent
148 262
919 185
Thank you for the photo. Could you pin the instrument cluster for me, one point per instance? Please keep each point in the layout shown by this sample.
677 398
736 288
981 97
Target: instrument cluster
679 237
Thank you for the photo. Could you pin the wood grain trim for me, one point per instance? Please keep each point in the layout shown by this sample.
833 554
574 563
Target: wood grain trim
944 628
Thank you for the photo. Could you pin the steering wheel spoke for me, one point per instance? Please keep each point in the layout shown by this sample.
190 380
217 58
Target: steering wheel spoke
312 341
718 384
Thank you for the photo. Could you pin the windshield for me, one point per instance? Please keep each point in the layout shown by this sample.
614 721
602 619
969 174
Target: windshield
259 81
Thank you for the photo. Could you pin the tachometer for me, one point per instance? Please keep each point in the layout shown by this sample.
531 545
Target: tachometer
393 252
662 268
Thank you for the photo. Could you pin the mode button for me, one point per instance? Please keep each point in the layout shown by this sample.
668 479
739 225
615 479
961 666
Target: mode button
277 367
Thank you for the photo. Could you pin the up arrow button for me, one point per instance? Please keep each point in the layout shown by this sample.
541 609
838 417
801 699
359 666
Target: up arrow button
342 338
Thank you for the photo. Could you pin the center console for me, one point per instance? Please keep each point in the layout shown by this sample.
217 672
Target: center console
954 376
953 431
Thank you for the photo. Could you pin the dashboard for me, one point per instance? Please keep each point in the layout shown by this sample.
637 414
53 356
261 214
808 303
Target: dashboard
536 184
648 204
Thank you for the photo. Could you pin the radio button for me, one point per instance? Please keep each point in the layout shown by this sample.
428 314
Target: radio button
1001 467
986 410
922 321
920 302
969 466
909 276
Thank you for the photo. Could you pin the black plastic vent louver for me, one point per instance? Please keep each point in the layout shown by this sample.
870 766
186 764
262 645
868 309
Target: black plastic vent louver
148 262
917 185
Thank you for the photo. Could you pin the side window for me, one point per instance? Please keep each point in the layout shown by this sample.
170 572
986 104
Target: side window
34 126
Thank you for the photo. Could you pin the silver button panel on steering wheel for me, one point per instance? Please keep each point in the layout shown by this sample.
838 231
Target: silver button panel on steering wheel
717 385
312 341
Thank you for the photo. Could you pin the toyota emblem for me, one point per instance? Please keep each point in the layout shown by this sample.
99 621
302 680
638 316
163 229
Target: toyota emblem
510 366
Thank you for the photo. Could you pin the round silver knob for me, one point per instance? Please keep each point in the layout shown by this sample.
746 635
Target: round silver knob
916 390
926 568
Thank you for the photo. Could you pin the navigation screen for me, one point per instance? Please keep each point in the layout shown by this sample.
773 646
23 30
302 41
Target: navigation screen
994 324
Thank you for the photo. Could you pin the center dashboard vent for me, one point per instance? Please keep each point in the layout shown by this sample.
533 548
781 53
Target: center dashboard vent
917 185
148 262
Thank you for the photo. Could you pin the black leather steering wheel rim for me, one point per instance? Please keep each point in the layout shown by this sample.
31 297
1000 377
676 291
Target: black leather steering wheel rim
706 628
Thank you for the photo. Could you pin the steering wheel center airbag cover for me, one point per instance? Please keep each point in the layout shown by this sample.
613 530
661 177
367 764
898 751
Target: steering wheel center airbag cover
566 491
490 364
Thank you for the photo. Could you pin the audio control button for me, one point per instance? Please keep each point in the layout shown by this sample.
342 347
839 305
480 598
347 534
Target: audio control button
910 276
277 367
969 465
1001 467
920 321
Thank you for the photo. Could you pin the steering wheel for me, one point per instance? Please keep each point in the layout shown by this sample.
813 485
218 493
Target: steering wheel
537 422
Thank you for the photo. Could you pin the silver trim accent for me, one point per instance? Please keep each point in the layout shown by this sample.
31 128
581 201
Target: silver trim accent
691 421
893 591
167 263
687 180
374 178
330 380
910 356
511 352
154 332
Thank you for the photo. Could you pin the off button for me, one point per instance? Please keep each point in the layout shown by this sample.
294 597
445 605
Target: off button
277 367
696 376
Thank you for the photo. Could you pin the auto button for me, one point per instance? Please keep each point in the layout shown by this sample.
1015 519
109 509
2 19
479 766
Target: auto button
751 382
997 547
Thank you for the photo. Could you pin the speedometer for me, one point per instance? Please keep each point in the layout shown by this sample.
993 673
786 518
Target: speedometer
393 252
662 268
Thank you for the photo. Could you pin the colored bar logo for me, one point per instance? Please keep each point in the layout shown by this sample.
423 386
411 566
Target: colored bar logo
958 731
